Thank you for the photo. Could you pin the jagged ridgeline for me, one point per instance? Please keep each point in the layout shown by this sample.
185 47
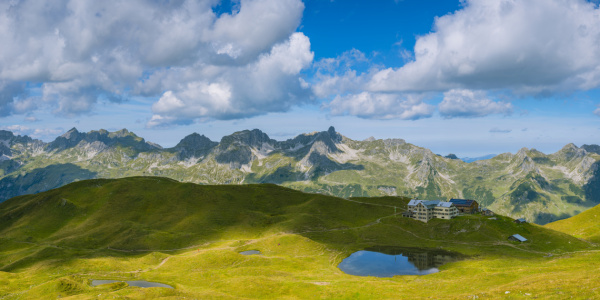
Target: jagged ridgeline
540 187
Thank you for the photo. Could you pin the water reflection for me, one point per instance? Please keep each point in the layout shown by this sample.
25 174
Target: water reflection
250 252
138 283
390 261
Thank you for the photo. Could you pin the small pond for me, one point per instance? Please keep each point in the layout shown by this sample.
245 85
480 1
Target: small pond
138 283
250 252
391 261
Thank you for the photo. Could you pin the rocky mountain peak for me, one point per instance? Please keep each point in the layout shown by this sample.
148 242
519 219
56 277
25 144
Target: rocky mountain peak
194 145
69 139
522 154
252 138
6 135
569 147
570 151
325 141
122 137
591 148
451 156
121 133
236 149
394 142
72 134
331 131
194 140
8 139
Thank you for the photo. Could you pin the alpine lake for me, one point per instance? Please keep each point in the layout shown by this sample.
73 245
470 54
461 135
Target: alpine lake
392 261
137 283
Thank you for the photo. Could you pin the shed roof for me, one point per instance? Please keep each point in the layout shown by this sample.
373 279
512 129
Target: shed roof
519 237
521 220
462 202
430 203
414 202
425 202
444 204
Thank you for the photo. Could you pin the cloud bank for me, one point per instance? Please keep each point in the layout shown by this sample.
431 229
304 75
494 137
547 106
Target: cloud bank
525 47
70 54
469 104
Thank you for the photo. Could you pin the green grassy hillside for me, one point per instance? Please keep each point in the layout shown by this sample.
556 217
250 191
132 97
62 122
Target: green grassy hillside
160 213
584 225
54 243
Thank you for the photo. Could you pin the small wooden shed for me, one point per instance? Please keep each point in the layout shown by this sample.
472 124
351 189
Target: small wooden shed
517 238
487 212
520 221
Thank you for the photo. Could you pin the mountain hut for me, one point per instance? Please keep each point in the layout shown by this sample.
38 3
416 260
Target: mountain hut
466 206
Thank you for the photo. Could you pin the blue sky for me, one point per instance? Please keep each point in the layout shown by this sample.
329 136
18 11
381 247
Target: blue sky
466 77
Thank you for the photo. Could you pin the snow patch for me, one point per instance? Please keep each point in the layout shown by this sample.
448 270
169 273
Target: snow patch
247 168
399 157
4 157
262 152
190 162
37 150
152 166
578 174
346 155
388 190
297 147
446 177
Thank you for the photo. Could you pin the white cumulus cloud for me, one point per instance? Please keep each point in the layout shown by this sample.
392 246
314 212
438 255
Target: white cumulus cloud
528 46
468 104
531 46
522 47
32 132
77 52
271 83
381 106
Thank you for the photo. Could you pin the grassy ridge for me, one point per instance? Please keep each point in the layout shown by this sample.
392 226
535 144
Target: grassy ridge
160 213
584 225
53 243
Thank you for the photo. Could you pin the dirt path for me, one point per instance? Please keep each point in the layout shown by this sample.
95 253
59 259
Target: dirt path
347 228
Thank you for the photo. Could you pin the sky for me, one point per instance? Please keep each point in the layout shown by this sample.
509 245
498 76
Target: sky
470 77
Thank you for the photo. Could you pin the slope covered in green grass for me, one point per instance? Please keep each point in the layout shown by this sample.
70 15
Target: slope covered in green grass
585 225
160 213
189 236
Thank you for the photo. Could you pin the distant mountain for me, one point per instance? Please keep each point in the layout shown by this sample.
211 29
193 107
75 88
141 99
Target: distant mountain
591 148
472 159
451 156
529 184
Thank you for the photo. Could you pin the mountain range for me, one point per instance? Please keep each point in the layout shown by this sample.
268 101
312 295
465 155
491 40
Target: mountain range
540 187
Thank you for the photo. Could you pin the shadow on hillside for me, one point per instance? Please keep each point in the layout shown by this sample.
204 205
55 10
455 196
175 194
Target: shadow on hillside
592 187
42 179
545 218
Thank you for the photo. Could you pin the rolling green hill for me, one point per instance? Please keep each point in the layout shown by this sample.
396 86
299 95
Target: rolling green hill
160 213
54 243
584 225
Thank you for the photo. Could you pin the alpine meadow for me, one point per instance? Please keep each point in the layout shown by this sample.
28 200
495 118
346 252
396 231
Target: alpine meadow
299 149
